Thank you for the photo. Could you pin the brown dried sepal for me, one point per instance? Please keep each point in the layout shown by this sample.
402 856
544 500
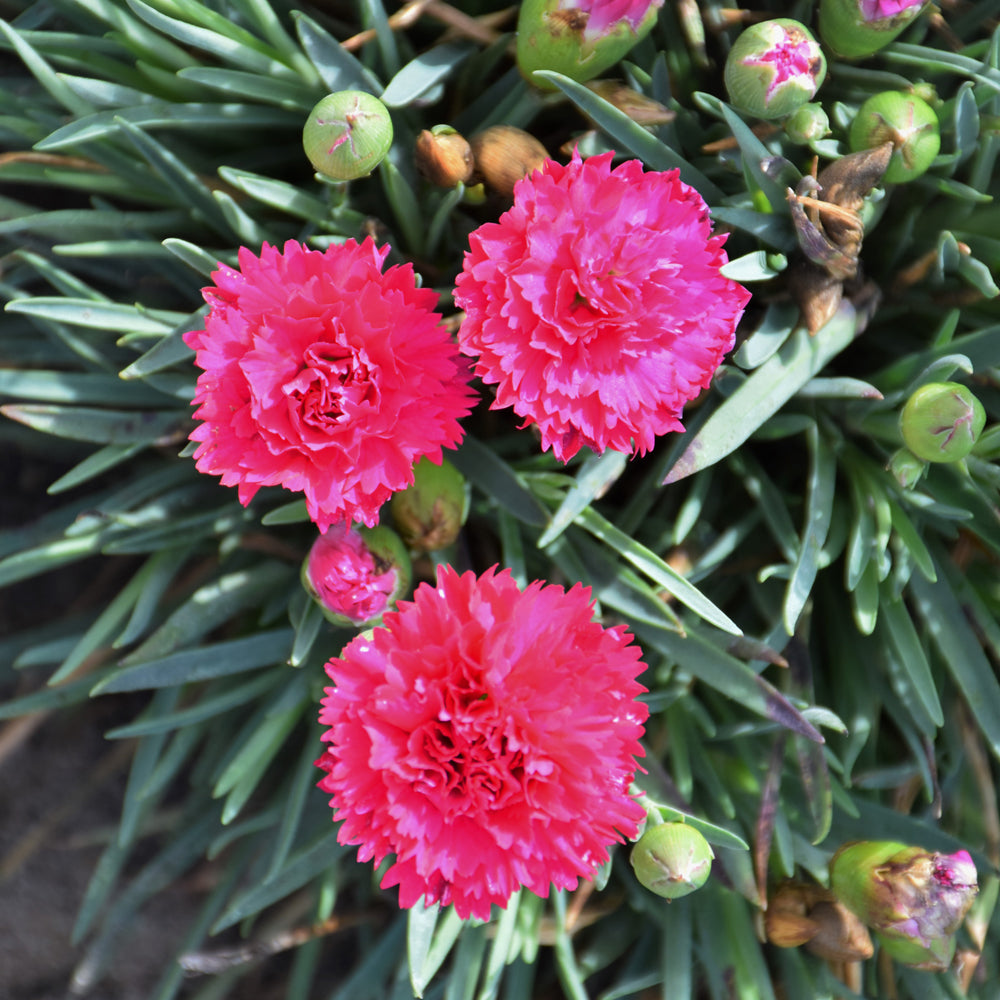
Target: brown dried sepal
641 109
826 214
444 158
809 915
504 154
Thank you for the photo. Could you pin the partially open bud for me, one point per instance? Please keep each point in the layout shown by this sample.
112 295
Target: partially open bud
579 38
443 156
347 134
672 859
914 899
905 120
773 68
808 124
430 513
856 28
941 422
356 574
800 914
504 154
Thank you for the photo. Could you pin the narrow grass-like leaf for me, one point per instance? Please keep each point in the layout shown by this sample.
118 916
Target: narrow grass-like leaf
500 949
657 570
755 156
903 635
187 187
113 316
48 699
596 476
219 43
446 931
306 864
216 660
775 328
696 656
80 423
211 605
278 194
405 206
496 479
653 153
48 556
205 708
336 66
961 653
765 392
195 116
44 73
421 922
293 803
819 512
94 465
570 975
253 87
430 68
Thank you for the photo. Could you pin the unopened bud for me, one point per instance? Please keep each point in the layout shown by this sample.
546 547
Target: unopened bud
800 914
579 38
856 28
641 109
430 513
356 574
807 124
672 859
504 154
914 899
347 134
443 156
905 120
941 422
773 68
906 468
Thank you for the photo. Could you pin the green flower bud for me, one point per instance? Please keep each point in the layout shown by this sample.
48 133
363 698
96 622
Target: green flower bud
672 859
356 574
347 135
856 28
430 513
907 468
941 422
579 38
906 121
774 68
807 124
914 899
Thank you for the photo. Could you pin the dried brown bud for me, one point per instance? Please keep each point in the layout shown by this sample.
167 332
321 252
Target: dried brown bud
504 154
443 156
641 109
800 914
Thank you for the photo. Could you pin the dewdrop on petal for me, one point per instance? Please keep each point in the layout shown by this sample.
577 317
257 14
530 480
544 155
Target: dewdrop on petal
915 900
773 68
347 135
672 860
356 574
579 38
905 120
941 422
856 28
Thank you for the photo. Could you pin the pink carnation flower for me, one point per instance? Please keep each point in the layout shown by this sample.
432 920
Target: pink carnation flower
604 16
326 376
877 10
595 304
486 737
343 574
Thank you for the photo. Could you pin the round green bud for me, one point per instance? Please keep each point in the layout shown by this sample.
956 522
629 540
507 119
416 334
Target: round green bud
856 28
807 124
773 68
430 512
941 422
347 135
906 121
672 859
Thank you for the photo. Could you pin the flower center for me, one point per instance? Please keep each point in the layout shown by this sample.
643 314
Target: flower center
333 383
